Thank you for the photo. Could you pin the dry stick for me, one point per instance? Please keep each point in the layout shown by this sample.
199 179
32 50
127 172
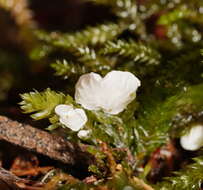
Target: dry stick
43 142
9 180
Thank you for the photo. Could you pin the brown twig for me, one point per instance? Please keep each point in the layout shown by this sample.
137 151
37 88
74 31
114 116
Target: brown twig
10 180
111 161
43 142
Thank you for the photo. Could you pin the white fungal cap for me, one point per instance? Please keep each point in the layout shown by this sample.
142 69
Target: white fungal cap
83 134
72 118
111 94
194 139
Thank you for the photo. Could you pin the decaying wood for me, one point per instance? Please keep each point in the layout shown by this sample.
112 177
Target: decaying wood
42 142
9 180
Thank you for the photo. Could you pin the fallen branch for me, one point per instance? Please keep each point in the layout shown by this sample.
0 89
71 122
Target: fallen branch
9 180
43 142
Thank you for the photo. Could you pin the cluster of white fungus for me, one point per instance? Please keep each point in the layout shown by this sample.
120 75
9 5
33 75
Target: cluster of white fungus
110 94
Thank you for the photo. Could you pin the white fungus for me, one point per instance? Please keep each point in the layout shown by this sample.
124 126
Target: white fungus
111 94
72 118
193 140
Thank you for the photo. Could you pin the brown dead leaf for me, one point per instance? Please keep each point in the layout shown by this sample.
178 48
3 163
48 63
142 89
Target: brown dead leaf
28 165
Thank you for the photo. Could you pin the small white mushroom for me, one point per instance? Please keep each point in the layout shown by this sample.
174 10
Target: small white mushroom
72 118
111 94
193 140
84 134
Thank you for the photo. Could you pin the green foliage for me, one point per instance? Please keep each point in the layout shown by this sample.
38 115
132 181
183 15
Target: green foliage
86 54
90 36
189 178
41 105
110 129
155 125
40 52
119 181
63 68
131 50
184 64
174 16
